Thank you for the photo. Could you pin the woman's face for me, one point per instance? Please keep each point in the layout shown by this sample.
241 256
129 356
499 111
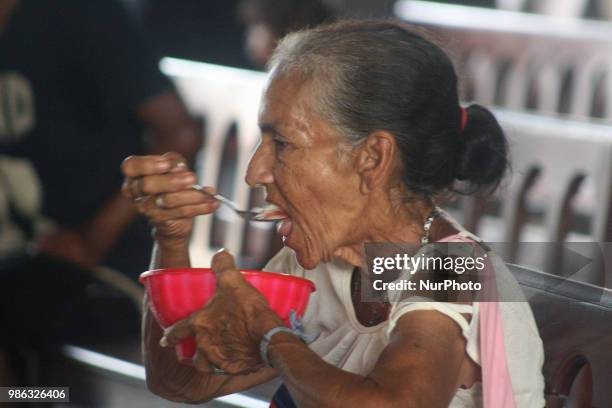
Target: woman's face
299 161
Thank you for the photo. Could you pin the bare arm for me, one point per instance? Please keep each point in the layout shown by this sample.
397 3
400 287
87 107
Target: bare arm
88 244
419 368
165 376
173 224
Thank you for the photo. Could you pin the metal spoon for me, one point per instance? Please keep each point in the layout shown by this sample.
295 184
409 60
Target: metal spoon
255 214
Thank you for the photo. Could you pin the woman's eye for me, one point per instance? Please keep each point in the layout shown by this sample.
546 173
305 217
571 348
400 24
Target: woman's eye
280 143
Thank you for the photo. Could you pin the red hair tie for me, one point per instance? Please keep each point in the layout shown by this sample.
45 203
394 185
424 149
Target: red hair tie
463 112
464 118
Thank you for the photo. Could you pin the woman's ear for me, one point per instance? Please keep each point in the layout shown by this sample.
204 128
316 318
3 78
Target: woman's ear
375 160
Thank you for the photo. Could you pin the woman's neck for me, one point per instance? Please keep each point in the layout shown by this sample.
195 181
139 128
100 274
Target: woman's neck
389 220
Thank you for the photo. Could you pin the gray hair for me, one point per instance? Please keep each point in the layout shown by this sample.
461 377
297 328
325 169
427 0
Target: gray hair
378 75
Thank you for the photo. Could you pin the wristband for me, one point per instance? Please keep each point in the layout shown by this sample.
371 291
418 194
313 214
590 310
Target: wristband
267 338
297 329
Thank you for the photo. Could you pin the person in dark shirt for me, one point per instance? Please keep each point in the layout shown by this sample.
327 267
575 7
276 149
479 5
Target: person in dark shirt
79 91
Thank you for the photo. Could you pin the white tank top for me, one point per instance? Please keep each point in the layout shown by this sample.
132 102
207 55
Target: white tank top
347 344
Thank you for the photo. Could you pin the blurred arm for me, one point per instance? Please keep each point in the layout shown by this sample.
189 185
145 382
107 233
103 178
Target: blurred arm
171 128
125 80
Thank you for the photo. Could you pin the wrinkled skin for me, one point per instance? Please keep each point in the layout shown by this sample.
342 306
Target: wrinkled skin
228 329
166 177
336 196
315 176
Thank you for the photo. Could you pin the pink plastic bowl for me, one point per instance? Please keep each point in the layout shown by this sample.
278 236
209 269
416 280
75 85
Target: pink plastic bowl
176 293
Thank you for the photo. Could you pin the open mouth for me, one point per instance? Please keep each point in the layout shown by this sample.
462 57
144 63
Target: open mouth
271 212
274 212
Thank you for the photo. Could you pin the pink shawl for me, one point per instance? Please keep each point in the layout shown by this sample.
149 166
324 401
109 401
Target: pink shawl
496 381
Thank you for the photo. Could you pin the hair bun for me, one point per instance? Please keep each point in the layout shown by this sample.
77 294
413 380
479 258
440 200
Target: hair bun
483 158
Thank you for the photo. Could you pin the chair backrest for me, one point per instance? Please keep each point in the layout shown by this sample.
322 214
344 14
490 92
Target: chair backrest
563 151
561 8
593 87
539 63
228 101
559 168
574 322
511 5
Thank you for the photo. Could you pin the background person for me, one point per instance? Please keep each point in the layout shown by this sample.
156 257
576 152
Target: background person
80 97
267 21
80 91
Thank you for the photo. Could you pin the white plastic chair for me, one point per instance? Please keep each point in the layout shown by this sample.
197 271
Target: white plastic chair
584 86
563 152
540 51
511 5
560 8
481 71
226 97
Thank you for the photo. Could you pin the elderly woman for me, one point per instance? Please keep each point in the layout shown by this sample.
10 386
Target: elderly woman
361 132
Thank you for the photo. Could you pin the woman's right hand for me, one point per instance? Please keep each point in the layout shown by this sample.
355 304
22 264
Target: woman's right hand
160 188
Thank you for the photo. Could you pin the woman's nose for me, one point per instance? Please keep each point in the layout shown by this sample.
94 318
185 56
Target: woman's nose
259 171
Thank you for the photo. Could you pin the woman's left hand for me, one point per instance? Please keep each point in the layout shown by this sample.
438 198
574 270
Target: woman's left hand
229 328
